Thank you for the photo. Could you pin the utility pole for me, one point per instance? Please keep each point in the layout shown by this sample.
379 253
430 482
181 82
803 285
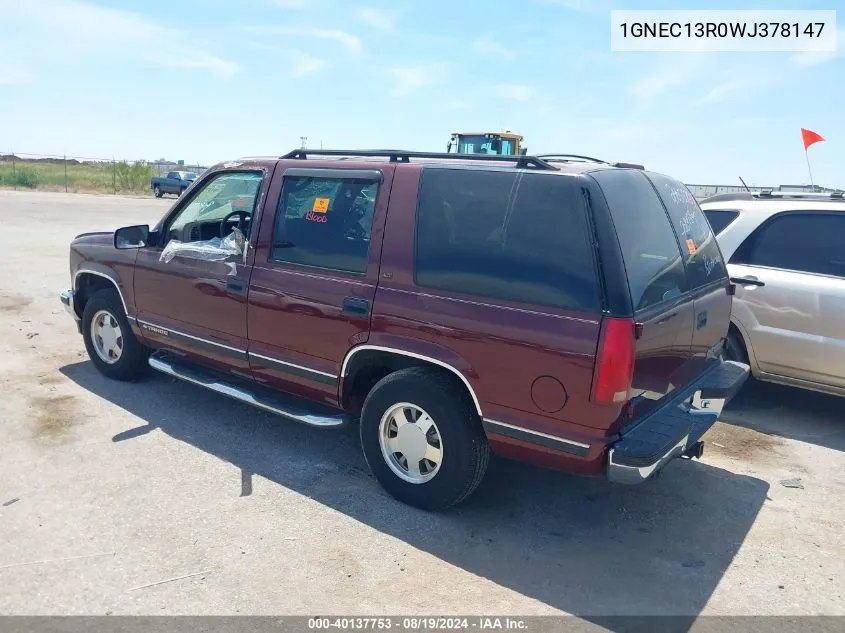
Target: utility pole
304 140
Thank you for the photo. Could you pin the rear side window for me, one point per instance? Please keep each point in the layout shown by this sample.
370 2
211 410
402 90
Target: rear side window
506 235
804 242
719 219
325 222
699 248
649 248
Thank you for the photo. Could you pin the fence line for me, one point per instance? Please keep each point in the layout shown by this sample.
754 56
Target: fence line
85 174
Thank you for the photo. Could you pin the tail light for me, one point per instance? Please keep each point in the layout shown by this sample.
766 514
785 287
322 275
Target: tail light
614 362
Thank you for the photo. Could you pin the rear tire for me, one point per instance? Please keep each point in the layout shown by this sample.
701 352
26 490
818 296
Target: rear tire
109 340
454 437
157 191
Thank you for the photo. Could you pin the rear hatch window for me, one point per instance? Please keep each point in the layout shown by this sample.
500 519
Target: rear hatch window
649 247
701 253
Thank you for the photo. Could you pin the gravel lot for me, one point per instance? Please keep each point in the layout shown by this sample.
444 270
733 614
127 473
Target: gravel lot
161 498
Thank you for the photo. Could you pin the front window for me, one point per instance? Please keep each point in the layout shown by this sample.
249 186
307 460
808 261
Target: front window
229 196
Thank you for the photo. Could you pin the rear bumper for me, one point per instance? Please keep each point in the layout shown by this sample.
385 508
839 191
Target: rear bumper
675 429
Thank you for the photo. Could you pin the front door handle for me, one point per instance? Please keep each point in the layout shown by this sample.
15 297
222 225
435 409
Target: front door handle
358 307
666 318
235 286
747 281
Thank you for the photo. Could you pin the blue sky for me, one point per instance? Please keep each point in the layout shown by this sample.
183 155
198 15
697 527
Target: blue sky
207 80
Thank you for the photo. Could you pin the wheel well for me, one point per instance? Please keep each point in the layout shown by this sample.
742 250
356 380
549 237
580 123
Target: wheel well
86 285
736 333
733 329
368 367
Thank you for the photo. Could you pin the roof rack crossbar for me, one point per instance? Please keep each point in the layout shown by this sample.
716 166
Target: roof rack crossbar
403 156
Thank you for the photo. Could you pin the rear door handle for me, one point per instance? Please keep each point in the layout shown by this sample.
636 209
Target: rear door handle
666 318
747 281
235 286
358 307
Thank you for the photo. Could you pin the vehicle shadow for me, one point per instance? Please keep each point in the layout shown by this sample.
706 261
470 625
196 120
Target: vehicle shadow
580 545
788 412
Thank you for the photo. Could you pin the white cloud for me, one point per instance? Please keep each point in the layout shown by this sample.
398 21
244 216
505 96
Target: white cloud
297 63
676 71
303 64
487 47
814 58
347 40
722 91
409 79
59 29
377 19
515 92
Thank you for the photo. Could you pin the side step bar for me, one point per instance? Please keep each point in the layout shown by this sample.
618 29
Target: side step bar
275 402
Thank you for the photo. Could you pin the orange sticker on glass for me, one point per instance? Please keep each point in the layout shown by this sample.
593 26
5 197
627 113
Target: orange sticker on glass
321 205
691 247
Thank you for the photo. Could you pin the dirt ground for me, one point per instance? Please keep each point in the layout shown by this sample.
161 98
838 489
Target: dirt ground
160 498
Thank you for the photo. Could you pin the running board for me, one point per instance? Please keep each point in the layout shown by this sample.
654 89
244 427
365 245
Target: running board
279 403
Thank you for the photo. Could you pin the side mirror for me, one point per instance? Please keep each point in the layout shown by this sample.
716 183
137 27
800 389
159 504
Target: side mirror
132 236
523 151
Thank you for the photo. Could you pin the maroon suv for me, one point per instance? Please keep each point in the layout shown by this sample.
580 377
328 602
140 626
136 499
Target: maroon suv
558 310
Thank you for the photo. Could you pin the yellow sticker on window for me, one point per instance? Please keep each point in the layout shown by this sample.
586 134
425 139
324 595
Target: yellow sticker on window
321 205
691 247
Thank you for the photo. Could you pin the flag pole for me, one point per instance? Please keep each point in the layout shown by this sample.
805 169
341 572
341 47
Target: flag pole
807 156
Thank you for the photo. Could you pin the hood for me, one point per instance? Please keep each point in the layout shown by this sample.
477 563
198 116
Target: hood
98 238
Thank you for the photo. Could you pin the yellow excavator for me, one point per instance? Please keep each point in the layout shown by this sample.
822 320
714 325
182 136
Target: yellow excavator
502 143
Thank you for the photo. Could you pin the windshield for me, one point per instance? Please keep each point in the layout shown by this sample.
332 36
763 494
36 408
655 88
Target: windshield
189 175
479 144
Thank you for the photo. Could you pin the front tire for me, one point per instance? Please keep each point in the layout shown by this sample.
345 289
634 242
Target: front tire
422 438
109 340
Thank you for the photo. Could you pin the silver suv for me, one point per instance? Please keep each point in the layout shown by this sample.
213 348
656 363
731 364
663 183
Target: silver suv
786 255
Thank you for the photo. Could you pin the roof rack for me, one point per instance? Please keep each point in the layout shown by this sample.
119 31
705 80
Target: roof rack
566 157
769 194
587 159
403 156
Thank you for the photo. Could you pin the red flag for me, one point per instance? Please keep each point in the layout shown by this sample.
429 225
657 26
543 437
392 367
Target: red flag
810 137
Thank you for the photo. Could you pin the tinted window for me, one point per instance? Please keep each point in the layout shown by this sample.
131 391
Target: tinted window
325 222
699 248
720 218
649 247
507 235
807 242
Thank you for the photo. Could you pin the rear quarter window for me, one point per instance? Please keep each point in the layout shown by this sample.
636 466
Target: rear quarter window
720 219
506 235
702 257
649 248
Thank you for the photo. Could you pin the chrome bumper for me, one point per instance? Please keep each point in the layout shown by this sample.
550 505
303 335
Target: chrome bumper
66 297
675 429
630 475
